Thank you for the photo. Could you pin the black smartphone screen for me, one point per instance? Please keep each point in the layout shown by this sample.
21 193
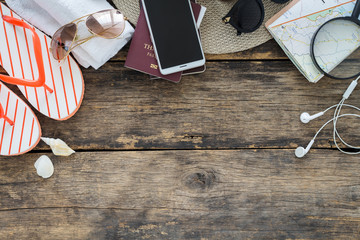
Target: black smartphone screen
174 33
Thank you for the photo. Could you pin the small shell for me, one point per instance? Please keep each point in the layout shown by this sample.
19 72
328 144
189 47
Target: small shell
58 146
44 167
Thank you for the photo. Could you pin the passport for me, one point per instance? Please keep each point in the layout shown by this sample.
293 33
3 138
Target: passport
141 55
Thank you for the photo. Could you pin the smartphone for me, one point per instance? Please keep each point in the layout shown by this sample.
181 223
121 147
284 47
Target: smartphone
174 34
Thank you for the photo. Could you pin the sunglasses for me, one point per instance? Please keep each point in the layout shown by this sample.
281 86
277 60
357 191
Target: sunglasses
247 15
107 24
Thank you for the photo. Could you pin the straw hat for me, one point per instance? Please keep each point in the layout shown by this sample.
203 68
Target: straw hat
216 37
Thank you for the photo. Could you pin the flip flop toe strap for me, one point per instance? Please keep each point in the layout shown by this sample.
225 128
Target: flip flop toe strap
40 82
2 115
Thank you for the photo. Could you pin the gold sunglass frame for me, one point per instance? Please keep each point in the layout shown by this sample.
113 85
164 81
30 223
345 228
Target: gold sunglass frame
75 43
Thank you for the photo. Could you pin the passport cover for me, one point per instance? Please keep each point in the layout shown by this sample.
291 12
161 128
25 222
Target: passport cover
141 55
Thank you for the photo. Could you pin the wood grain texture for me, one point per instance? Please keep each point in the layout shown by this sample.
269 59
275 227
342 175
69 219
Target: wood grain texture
137 173
236 104
258 194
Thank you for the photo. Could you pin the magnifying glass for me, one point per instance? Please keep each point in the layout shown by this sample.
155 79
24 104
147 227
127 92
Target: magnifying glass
335 46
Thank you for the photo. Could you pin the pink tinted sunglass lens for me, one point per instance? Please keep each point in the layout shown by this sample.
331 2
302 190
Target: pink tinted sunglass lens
62 41
107 23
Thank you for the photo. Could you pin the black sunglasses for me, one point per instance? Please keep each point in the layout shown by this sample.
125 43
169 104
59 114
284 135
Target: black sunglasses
247 15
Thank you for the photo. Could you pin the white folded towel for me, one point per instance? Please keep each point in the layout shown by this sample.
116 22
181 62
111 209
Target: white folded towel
50 15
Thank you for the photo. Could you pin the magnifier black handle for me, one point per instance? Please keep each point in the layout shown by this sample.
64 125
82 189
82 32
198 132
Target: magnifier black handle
356 11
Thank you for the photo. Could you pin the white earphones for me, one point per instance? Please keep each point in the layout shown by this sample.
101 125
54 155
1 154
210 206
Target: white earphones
301 152
306 118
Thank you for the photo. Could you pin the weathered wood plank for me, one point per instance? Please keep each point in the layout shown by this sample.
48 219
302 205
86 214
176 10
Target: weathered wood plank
257 194
267 51
232 105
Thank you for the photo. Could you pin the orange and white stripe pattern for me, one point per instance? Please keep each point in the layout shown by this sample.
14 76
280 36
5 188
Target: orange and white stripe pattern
18 58
25 134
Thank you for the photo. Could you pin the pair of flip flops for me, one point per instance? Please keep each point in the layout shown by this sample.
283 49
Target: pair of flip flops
56 90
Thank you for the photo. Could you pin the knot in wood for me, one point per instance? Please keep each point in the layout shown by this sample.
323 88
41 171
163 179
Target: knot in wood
200 179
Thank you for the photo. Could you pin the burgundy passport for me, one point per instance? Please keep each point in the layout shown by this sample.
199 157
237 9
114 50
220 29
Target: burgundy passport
141 55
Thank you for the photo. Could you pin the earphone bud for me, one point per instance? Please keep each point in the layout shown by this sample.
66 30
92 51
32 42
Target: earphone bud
306 117
301 152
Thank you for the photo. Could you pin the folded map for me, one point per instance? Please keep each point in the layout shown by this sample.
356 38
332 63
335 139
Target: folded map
294 26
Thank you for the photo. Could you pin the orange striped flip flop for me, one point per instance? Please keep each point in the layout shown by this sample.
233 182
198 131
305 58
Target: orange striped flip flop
19 128
56 90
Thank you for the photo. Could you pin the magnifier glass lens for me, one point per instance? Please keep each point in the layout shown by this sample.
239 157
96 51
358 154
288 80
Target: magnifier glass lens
336 48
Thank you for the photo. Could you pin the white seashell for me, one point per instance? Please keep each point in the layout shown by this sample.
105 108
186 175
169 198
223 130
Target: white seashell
44 167
58 146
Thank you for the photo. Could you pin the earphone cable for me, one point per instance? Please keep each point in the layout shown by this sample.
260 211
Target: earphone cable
336 133
305 118
345 105
340 116
335 119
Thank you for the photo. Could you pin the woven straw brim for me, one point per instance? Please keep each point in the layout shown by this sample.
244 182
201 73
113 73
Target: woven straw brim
216 37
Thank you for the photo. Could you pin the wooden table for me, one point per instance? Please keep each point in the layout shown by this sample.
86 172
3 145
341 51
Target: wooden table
209 158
